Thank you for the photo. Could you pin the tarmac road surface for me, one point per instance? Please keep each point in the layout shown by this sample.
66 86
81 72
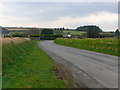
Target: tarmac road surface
95 70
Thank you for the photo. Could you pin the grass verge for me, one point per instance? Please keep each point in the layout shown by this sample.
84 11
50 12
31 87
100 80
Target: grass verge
31 69
65 75
104 45
28 66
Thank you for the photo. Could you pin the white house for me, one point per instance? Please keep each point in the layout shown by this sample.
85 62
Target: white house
67 36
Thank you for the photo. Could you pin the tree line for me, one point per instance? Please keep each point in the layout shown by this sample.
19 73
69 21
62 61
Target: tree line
92 31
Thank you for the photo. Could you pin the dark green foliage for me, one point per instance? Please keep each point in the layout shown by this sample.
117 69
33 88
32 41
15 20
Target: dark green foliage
37 35
47 31
19 35
85 28
50 37
117 33
45 36
63 28
93 32
60 28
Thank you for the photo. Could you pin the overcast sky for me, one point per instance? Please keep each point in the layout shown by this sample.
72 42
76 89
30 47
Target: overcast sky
59 14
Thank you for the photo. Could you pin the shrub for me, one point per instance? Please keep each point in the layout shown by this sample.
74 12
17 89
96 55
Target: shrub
47 31
93 32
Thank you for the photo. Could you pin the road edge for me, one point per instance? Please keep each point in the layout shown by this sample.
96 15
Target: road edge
78 74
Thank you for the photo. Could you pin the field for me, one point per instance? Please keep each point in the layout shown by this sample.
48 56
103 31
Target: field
17 32
105 45
15 40
80 32
17 29
74 32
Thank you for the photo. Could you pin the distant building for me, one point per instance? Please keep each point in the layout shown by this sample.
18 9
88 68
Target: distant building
67 36
4 32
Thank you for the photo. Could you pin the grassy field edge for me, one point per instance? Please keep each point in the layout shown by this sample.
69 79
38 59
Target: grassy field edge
33 68
105 45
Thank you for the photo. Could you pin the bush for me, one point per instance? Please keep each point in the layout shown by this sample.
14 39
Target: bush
47 31
19 35
37 35
93 32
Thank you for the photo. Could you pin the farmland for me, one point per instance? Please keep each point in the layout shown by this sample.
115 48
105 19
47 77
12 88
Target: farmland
18 29
104 45
14 40
74 32
25 65
17 32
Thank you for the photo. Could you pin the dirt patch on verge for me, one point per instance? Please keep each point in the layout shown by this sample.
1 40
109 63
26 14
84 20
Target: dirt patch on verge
65 75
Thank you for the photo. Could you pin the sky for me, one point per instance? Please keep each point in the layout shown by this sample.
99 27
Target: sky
60 14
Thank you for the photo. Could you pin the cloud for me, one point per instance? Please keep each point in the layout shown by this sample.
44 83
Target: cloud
59 0
105 20
70 15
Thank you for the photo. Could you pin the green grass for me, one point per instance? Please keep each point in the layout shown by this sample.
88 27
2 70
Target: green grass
74 32
17 32
105 45
11 51
81 32
31 67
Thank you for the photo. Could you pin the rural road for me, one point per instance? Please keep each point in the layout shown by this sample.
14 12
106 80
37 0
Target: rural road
94 70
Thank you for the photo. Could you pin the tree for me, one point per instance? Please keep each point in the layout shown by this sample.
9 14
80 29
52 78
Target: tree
47 31
63 28
85 28
68 33
117 33
93 32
